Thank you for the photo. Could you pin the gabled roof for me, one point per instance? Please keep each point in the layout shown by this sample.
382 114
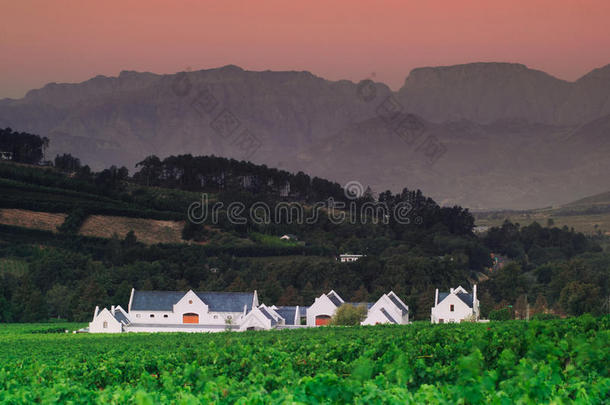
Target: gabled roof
288 313
267 315
216 301
119 315
387 315
466 298
442 296
403 308
334 298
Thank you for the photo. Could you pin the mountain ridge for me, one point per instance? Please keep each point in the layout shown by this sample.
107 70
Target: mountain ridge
488 115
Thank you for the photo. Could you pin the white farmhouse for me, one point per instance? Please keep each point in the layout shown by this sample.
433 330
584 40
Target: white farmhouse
176 311
264 317
109 321
323 309
455 305
388 309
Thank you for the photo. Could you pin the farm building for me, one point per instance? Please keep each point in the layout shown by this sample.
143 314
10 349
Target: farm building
388 309
176 311
455 306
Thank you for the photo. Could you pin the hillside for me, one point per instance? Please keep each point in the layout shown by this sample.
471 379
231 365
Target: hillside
590 215
505 136
60 256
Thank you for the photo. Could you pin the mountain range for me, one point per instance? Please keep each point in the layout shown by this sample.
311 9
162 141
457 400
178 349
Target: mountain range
482 135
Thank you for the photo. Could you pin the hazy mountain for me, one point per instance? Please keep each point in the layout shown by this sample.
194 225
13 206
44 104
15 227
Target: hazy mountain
484 134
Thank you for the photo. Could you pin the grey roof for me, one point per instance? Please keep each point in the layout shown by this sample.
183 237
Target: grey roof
402 307
442 296
119 316
384 312
287 313
216 301
334 298
466 298
268 315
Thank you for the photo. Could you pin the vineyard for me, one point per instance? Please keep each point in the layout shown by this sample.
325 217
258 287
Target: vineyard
503 362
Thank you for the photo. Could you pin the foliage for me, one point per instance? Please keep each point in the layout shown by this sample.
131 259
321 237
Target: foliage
562 361
349 315
503 314
24 147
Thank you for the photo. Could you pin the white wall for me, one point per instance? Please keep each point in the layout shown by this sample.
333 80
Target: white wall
255 319
321 306
443 310
112 325
375 315
190 303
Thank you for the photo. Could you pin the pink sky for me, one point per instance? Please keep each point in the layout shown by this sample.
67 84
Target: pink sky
73 40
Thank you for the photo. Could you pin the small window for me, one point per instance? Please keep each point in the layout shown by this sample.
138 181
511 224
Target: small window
105 325
215 316
190 301
441 320
451 307
152 315
137 315
229 317
165 316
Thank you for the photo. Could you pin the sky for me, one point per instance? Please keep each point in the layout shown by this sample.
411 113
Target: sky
44 41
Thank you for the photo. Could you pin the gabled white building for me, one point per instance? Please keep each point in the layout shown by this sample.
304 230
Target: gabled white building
177 311
388 309
455 306
109 321
323 309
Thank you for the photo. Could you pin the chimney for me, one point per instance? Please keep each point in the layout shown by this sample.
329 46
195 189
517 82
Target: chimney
255 300
474 293
97 310
112 310
436 297
451 290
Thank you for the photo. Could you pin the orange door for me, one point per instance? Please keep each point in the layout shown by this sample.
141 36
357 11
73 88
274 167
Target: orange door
190 318
322 320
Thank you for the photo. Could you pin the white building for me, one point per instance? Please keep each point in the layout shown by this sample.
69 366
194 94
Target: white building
109 321
455 306
323 309
388 309
264 318
176 311
347 258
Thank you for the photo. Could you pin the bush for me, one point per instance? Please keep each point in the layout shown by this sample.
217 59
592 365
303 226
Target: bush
349 315
503 314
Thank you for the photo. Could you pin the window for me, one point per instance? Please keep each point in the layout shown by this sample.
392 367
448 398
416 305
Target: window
152 315
215 316
137 315
105 325
441 320
451 307
190 301
165 316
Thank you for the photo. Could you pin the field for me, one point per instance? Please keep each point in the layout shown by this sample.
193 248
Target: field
45 221
149 231
556 361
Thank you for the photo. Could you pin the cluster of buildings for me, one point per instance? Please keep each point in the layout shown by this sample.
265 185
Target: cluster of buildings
175 311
